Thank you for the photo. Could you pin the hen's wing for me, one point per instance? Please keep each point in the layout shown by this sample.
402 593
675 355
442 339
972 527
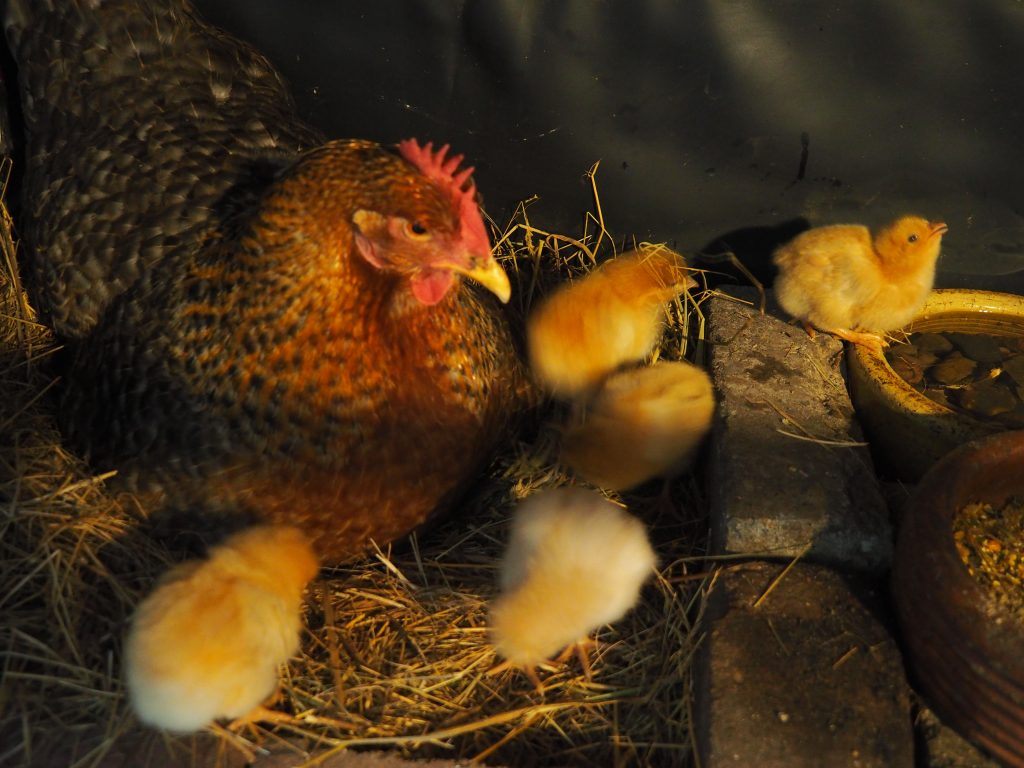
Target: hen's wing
130 159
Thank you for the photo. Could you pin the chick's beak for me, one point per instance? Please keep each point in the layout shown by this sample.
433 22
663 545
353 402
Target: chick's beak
488 273
938 228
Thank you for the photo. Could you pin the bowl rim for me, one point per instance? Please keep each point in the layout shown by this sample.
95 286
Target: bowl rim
941 302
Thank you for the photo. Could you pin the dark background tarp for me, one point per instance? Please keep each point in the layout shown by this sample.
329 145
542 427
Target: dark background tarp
707 117
698 111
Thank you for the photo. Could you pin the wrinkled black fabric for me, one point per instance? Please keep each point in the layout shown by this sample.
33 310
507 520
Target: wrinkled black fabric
720 124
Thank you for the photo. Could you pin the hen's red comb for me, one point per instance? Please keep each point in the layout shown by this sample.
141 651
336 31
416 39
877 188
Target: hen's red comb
444 170
435 166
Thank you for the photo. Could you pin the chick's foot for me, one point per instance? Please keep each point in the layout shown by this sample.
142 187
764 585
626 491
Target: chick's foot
260 714
581 649
870 340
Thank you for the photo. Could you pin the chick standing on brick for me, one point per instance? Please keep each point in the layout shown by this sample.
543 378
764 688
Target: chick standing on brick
575 561
841 280
208 642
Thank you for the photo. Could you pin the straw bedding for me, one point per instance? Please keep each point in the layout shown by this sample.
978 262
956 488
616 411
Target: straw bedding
395 654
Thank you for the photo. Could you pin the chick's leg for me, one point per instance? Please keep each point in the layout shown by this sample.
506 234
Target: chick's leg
262 714
871 340
581 649
527 669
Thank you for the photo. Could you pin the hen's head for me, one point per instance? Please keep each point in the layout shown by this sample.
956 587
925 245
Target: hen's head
911 241
421 220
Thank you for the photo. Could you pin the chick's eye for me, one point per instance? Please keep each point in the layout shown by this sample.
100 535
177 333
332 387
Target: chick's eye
912 239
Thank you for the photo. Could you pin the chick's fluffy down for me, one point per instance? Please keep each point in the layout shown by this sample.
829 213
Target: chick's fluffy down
207 643
575 561
613 315
643 422
839 277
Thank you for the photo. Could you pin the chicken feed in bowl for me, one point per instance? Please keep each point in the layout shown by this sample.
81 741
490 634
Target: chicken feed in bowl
963 639
990 541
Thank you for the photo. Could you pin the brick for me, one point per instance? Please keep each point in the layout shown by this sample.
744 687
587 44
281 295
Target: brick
772 493
808 678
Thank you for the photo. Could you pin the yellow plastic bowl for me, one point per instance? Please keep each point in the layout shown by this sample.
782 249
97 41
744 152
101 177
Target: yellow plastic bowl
907 431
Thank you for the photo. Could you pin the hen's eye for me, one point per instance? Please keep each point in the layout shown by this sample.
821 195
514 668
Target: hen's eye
912 239
416 229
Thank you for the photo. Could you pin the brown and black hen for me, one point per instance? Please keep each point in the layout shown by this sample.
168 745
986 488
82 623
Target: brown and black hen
256 320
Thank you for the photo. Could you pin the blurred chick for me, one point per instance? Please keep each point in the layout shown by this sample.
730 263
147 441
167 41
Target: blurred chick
208 642
575 561
840 280
642 423
611 316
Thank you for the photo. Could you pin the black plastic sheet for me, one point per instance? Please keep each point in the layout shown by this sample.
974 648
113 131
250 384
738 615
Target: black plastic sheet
707 117
719 125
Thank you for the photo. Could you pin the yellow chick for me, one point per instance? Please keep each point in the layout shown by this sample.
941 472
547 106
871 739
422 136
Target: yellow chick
209 641
575 561
643 423
841 280
613 315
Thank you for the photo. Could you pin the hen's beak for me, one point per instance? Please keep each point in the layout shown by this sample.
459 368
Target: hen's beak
488 272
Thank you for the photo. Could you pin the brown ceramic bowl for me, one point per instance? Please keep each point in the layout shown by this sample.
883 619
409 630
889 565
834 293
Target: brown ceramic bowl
908 432
965 650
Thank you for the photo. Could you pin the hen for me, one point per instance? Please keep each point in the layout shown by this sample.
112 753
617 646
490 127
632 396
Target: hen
257 323
842 280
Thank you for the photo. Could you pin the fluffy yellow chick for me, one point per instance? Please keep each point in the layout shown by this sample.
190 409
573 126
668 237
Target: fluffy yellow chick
613 315
643 423
575 561
840 280
209 641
